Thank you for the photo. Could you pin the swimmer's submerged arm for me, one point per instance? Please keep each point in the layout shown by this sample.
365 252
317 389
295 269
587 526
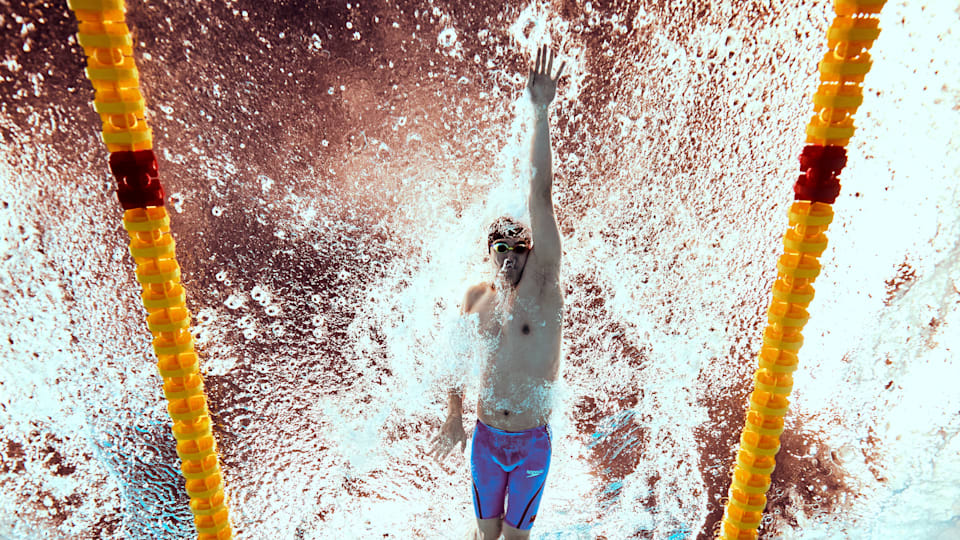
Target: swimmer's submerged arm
455 402
451 432
455 394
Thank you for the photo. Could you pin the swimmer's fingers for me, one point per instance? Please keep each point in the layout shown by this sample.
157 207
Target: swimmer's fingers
549 63
436 442
441 448
536 65
442 453
560 71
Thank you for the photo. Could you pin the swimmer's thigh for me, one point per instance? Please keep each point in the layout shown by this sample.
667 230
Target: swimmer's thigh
526 485
489 484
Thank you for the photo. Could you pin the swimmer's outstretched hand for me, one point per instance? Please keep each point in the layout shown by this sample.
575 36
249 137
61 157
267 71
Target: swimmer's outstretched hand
542 87
450 434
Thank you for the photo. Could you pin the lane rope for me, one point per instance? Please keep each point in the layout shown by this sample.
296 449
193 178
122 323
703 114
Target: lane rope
838 96
108 45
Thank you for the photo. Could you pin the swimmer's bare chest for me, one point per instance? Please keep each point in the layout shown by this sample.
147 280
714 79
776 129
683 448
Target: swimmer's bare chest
524 328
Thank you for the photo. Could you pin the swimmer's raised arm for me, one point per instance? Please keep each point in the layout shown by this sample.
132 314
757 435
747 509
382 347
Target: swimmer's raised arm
546 236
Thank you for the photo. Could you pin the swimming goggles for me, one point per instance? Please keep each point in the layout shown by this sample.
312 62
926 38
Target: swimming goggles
503 247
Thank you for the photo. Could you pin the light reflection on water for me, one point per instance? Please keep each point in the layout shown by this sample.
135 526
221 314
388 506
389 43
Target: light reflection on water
330 187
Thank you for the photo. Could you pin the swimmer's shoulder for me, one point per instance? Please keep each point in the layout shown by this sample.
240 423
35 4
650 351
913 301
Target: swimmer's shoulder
474 295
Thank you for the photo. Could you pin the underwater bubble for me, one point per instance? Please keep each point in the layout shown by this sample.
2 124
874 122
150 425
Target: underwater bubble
176 200
447 37
205 316
265 182
260 294
234 301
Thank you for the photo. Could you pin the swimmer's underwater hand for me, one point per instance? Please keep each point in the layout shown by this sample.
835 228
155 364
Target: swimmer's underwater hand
542 87
451 433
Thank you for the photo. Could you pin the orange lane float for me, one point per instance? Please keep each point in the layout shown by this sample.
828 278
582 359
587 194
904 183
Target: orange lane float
840 93
108 45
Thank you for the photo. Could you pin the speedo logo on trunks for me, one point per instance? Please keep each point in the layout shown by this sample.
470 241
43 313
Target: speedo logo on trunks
531 474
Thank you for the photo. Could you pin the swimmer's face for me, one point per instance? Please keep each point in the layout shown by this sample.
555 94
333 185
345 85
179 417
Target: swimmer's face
509 256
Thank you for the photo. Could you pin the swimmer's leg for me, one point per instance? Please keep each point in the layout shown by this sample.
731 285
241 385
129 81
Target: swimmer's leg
489 484
489 528
510 533
525 486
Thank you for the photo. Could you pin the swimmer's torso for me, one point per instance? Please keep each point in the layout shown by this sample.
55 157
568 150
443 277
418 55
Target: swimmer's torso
523 326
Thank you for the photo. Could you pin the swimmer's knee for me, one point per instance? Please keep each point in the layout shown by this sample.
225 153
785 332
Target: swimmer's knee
489 529
510 533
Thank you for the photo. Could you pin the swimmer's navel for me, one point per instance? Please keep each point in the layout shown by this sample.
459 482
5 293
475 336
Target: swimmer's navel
526 329
506 413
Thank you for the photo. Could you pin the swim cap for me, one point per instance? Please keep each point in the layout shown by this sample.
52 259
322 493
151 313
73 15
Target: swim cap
507 227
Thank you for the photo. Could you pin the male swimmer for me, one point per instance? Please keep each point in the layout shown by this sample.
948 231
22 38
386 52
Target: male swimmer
520 314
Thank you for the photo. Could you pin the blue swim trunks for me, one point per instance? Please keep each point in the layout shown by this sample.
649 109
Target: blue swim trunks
511 464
